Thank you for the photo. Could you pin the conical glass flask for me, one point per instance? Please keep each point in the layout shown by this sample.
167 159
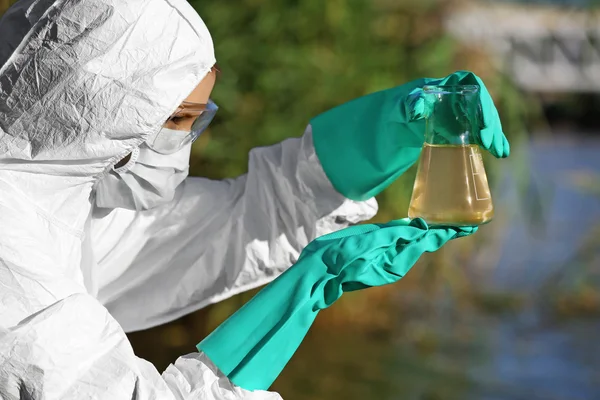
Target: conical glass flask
451 186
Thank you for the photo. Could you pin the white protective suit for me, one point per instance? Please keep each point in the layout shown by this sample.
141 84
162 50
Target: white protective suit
82 83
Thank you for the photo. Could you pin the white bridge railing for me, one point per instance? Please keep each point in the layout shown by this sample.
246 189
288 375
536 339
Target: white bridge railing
547 49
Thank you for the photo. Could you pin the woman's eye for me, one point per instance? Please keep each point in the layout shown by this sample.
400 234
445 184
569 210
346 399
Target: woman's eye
176 119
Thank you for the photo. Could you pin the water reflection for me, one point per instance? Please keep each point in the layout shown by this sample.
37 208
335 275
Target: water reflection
497 359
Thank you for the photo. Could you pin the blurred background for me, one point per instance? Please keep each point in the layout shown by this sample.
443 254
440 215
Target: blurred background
510 313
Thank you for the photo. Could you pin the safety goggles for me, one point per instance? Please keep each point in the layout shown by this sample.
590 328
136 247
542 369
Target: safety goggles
184 126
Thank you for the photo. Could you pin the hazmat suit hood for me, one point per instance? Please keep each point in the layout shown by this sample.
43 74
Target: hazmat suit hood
82 83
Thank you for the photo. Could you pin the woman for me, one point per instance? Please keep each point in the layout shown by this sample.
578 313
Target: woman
101 230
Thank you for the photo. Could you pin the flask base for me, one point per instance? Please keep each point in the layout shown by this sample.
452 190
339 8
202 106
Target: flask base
451 218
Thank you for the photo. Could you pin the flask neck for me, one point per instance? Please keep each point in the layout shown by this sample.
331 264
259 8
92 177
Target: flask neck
453 116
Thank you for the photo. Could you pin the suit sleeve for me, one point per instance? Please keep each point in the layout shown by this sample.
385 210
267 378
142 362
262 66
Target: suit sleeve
217 238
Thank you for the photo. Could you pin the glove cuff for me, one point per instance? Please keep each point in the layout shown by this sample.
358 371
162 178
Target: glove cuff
365 144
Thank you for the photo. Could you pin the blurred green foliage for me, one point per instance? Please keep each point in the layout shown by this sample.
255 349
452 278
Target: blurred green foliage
286 61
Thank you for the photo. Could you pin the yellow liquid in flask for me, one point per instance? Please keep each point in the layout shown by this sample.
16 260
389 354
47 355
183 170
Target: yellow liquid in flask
451 187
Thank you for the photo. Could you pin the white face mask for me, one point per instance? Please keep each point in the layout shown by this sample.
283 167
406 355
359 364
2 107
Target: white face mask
148 180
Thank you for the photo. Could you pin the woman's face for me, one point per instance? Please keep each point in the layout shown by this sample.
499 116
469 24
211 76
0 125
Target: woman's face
184 120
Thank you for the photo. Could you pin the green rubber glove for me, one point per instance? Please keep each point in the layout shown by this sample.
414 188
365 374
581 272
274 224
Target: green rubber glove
253 346
366 144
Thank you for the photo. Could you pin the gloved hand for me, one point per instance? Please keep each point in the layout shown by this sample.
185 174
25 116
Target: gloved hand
255 343
365 144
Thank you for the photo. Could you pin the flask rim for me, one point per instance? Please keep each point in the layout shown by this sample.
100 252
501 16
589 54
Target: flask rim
450 89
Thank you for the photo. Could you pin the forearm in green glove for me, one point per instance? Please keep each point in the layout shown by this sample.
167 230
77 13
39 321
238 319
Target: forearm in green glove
254 344
365 144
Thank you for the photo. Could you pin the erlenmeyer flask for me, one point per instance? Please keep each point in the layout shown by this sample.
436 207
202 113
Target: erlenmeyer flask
451 187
